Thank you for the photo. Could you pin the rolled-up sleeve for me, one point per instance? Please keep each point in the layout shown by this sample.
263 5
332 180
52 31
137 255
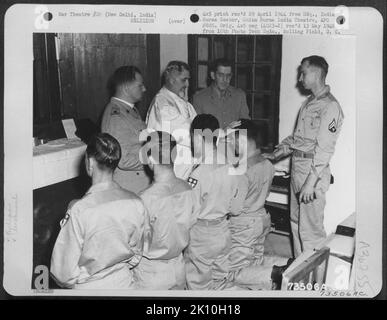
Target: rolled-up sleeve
330 126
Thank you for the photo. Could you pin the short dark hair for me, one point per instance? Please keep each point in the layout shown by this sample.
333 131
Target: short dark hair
105 149
221 62
206 122
122 75
162 146
253 130
318 62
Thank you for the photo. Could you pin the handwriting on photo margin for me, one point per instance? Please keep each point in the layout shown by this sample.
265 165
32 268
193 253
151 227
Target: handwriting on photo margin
362 266
11 219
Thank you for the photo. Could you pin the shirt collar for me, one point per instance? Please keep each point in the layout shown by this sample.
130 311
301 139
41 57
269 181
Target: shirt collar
215 93
255 158
252 159
323 93
172 94
102 186
124 102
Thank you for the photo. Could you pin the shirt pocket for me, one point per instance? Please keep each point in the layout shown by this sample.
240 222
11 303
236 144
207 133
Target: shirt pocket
312 124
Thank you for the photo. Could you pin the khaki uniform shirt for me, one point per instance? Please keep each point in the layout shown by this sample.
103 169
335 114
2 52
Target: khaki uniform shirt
101 234
124 123
171 206
318 126
226 109
219 191
259 174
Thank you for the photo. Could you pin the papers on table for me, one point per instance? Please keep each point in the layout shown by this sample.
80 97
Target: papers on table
69 128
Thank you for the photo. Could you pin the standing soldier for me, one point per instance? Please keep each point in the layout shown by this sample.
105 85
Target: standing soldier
311 145
122 120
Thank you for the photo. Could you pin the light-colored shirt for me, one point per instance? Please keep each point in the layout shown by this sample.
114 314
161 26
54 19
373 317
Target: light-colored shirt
171 206
123 122
259 174
318 126
226 108
170 113
219 192
101 234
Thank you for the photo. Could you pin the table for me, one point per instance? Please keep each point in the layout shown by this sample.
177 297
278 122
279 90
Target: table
278 241
277 204
56 161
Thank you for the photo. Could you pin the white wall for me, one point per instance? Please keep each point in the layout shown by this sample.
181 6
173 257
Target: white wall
340 55
173 47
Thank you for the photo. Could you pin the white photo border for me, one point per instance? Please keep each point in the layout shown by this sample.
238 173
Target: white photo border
22 20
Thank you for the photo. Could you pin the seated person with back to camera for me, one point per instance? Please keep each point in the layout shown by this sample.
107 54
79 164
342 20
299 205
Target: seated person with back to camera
171 205
249 266
101 236
218 190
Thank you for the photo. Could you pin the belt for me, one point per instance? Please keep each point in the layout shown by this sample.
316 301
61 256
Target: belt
212 222
261 212
301 154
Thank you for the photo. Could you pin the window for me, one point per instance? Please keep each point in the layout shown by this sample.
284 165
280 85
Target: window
257 69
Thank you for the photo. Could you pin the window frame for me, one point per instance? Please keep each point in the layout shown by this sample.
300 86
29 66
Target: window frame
274 63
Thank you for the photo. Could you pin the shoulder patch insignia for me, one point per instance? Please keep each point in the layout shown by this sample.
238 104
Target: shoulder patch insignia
64 220
332 126
192 182
115 111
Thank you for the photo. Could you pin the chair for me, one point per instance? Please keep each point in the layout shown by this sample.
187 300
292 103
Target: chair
310 270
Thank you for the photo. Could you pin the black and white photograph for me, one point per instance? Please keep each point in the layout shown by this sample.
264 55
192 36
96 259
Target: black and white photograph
175 161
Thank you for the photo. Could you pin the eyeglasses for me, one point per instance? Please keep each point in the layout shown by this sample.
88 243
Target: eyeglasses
226 76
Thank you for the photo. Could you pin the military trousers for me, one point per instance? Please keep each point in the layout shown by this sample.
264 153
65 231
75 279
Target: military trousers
160 274
207 255
307 219
248 265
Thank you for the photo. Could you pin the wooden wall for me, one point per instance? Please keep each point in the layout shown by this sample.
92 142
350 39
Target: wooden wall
87 60
47 103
